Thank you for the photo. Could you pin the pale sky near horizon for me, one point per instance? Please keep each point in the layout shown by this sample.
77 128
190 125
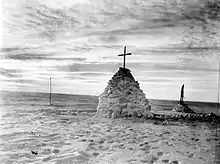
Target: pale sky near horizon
77 44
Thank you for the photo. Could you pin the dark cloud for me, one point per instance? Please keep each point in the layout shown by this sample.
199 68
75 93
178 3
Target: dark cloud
91 67
26 56
12 49
176 50
17 53
22 81
94 73
89 47
109 38
183 54
71 59
169 67
11 73
38 56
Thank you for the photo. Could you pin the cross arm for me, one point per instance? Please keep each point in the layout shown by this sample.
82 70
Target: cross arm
124 54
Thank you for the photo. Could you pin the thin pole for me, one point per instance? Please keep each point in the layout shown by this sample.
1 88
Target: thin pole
50 92
218 96
218 89
216 126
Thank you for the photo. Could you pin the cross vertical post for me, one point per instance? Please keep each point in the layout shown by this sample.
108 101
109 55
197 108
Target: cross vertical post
124 56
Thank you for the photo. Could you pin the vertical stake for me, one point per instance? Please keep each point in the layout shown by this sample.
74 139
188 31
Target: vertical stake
218 89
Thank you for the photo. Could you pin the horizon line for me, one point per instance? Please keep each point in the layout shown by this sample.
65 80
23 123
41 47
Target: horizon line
197 101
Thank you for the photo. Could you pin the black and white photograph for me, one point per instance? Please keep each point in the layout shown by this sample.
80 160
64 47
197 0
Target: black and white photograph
109 81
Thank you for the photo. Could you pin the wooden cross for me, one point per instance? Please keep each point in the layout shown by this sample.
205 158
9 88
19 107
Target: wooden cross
124 55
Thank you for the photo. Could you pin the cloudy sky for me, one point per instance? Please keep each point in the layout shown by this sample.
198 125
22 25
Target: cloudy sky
77 42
